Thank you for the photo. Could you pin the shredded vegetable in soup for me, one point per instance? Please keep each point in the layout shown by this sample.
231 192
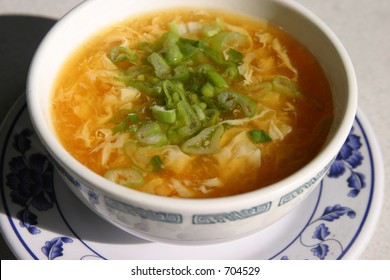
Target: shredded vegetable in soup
192 104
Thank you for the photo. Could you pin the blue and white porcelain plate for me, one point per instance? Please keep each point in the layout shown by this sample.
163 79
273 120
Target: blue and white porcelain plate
41 219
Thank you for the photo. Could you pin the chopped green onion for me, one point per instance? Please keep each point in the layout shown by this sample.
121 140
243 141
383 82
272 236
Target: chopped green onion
124 126
133 117
213 54
150 134
259 136
227 40
202 105
157 163
174 28
231 73
205 142
193 98
174 92
170 38
144 86
199 111
158 139
135 71
212 117
147 129
161 67
181 73
163 115
181 108
174 137
204 68
285 86
208 90
234 56
189 118
209 30
120 127
212 29
128 177
188 47
216 79
137 157
210 102
120 53
229 99
145 47
173 55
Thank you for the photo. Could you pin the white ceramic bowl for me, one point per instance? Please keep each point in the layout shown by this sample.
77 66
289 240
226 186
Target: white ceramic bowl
190 221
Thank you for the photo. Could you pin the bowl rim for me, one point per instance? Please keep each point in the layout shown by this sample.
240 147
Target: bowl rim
127 195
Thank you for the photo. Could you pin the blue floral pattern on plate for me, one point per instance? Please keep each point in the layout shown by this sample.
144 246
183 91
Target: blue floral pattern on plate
54 248
349 158
37 215
321 233
30 181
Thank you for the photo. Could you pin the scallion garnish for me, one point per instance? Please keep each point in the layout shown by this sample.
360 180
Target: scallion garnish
157 163
163 115
188 87
125 176
127 125
259 136
150 134
120 53
161 67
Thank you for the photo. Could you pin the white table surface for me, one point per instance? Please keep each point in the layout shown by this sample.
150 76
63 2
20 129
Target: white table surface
362 26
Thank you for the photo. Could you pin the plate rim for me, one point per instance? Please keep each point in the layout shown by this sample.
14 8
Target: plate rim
355 247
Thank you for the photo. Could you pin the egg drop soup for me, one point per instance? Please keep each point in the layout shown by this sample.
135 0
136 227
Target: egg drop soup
192 104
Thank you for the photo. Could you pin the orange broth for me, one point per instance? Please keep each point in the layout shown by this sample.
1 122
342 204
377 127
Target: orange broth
88 95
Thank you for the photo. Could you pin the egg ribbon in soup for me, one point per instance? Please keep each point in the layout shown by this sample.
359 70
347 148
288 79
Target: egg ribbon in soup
192 104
